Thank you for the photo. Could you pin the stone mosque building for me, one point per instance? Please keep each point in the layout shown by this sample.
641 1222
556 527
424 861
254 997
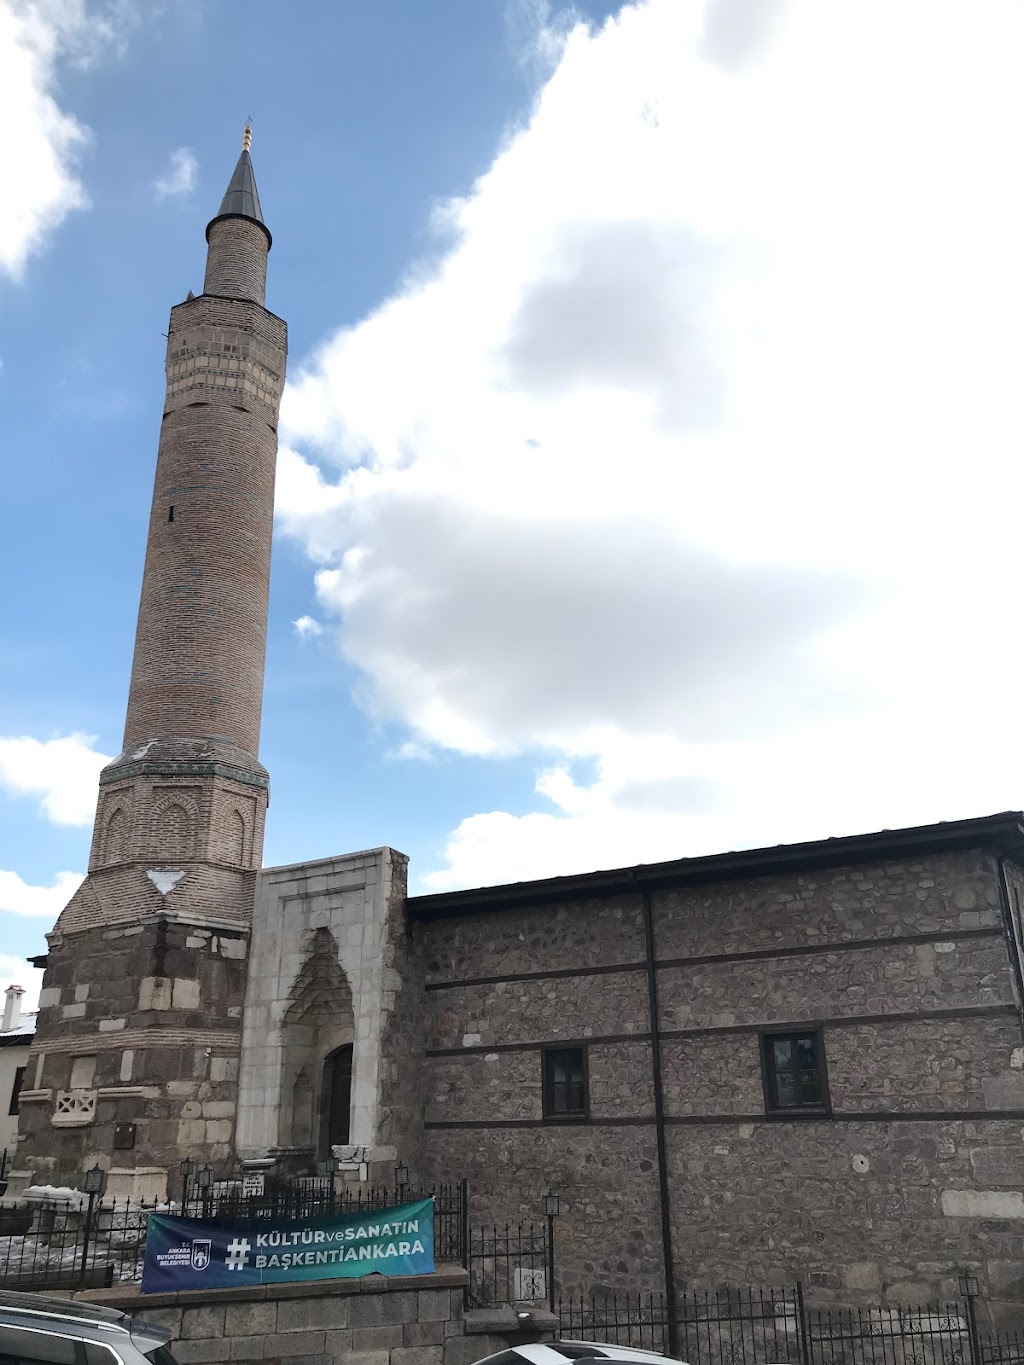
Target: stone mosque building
798 1062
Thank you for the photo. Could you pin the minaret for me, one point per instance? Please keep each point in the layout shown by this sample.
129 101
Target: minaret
135 1060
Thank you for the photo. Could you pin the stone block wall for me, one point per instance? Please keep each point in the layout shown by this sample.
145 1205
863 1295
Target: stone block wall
499 987
328 969
869 1211
135 1062
371 1321
911 1174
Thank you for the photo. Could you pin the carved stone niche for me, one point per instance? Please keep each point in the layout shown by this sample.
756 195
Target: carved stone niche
74 1108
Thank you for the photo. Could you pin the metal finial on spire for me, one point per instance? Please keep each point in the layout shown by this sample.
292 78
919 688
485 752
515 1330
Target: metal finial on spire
241 199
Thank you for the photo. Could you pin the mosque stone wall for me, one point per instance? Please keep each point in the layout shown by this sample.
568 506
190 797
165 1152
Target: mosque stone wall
911 1170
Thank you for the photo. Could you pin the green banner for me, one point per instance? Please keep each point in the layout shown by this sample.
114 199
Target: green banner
190 1253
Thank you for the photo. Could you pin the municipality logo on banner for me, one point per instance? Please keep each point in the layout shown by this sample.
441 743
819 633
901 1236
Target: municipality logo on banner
186 1253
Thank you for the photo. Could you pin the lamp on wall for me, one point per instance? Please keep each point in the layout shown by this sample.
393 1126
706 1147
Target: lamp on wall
204 1180
401 1179
968 1285
188 1170
326 1169
551 1205
95 1182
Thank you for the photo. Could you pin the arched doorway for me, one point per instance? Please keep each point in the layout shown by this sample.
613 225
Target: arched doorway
316 1036
336 1099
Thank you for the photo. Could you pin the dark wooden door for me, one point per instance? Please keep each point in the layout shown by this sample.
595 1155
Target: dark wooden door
339 1091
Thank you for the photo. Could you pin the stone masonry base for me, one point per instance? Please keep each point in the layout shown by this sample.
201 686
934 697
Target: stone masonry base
415 1320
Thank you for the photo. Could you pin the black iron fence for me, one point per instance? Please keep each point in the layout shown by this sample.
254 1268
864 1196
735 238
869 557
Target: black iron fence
68 1245
509 1263
639 1320
320 1196
733 1325
85 1243
1001 1348
777 1327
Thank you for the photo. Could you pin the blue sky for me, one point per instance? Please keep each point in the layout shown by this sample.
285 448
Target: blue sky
649 458
365 116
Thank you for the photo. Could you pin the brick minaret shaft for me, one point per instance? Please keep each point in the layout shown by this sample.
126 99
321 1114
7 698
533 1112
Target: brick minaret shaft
136 1054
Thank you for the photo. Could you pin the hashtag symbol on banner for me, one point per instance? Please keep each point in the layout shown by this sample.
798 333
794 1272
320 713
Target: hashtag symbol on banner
238 1253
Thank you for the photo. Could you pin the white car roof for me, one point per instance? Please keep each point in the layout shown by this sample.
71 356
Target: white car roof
547 1353
615 1352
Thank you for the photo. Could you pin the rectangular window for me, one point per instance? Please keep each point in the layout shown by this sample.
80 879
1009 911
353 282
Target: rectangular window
21 1344
19 1081
565 1082
794 1072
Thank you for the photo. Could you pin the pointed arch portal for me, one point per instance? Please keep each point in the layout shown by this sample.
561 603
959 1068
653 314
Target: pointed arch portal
318 1032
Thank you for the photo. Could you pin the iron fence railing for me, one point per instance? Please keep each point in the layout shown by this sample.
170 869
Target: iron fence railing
319 1197
639 1320
509 1263
94 1243
776 1327
1001 1348
67 1245
940 1333
732 1325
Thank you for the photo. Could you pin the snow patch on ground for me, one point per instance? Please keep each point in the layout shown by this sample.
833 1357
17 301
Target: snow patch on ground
55 1194
29 1256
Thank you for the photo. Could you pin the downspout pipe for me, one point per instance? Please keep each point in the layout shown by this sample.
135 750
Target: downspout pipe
1010 934
659 1126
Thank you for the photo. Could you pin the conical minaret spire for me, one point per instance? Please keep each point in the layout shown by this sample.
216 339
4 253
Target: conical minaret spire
241 198
147 964
239 239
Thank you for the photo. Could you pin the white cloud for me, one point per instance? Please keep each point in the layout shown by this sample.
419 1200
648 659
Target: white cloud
537 33
307 627
19 898
695 455
41 143
15 971
62 772
180 177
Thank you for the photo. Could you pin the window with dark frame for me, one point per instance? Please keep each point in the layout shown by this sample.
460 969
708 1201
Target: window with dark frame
19 1081
794 1072
565 1082
23 1345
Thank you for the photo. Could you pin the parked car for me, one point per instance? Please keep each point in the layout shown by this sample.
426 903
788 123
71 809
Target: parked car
562 1352
36 1329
